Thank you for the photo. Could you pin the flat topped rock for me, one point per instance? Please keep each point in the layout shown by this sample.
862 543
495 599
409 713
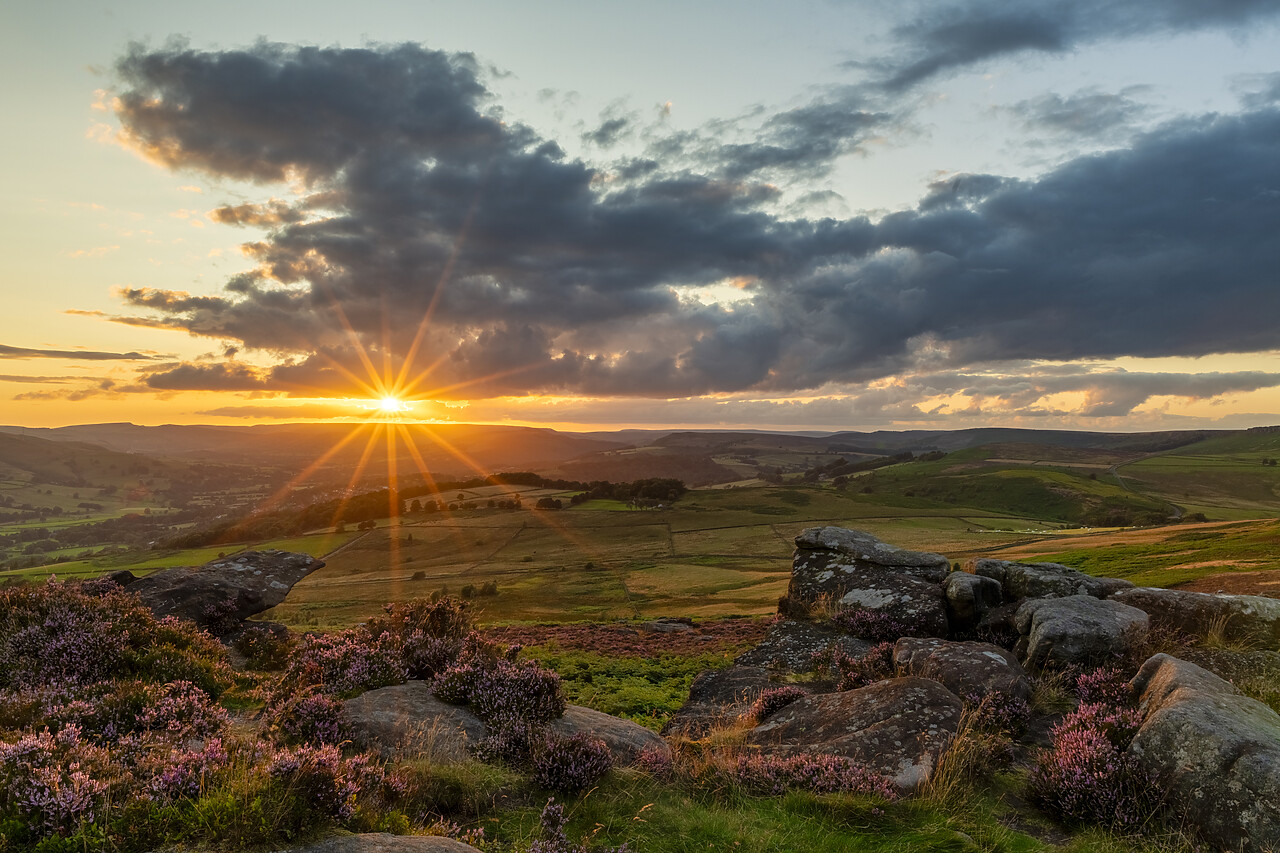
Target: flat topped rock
1240 617
1077 629
1045 580
227 590
862 548
899 728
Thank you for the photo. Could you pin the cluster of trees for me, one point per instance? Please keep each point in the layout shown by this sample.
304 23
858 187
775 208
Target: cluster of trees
364 508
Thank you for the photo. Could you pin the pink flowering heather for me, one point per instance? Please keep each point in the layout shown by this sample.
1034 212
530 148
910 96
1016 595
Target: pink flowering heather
265 648
999 712
185 772
327 781
182 710
657 761
771 701
1106 685
1085 778
347 662
314 718
56 782
571 764
1118 725
878 625
822 774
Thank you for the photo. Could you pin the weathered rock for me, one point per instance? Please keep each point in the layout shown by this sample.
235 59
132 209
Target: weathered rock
899 727
970 598
1077 629
1239 617
716 697
1045 580
920 606
407 718
823 549
1215 753
383 842
966 669
226 590
791 645
625 739
121 577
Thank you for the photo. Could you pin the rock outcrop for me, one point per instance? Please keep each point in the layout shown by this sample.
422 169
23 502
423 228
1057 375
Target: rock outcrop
965 668
626 740
899 727
1077 629
1197 614
1215 753
822 553
224 592
1044 580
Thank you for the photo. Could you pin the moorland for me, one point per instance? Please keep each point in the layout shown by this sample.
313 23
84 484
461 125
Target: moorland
567 544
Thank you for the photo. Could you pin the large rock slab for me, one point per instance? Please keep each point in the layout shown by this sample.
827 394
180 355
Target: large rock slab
717 697
1215 753
1239 617
382 842
967 669
1045 580
899 727
626 740
224 592
791 644
1077 629
405 719
823 552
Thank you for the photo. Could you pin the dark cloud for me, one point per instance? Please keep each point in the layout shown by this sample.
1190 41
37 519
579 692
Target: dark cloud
83 355
100 388
947 38
1088 113
609 133
499 265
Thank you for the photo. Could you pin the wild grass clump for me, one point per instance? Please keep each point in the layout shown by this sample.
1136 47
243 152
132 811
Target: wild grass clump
553 838
771 701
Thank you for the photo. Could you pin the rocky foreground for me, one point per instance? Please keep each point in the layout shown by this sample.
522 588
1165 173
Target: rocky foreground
921 645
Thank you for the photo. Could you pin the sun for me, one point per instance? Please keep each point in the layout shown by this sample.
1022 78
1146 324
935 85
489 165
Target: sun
391 405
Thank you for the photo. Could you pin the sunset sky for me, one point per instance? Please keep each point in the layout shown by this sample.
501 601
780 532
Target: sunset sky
805 215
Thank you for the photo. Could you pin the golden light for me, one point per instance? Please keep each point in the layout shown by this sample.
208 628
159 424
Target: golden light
391 405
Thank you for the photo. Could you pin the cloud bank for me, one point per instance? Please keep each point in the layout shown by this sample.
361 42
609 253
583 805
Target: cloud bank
409 226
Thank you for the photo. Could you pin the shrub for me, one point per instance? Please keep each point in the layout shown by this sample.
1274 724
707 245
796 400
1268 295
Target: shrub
999 712
553 838
771 701
310 718
220 618
878 625
185 772
183 711
821 774
499 689
1106 685
346 662
657 761
324 779
265 647
56 783
570 764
